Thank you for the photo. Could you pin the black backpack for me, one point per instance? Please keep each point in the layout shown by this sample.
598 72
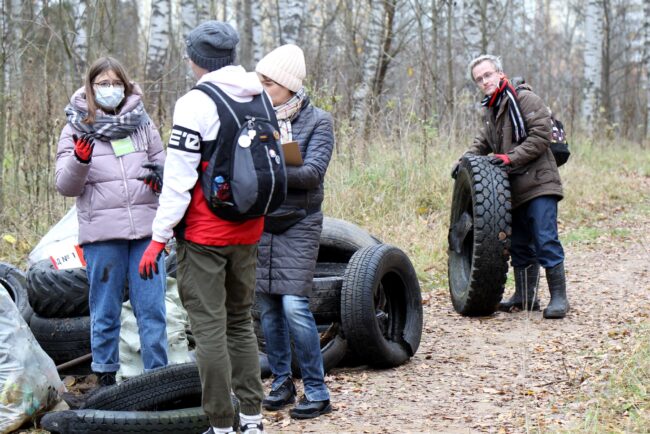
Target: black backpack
559 144
245 175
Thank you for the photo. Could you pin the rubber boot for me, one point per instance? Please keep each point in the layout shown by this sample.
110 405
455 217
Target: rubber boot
559 305
526 283
105 378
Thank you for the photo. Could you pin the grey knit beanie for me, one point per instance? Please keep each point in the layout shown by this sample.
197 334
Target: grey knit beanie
212 45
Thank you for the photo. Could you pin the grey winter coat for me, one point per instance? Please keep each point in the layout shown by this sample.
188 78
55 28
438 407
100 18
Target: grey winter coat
534 172
111 203
286 261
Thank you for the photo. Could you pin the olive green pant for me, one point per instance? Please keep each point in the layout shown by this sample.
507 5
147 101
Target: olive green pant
216 286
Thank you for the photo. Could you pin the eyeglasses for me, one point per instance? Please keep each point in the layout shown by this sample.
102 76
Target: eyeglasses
106 84
485 77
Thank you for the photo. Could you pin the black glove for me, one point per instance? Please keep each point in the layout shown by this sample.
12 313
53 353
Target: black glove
83 147
454 169
154 178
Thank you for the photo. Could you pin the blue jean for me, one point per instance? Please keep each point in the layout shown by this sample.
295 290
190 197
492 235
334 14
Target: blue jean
286 317
534 234
109 265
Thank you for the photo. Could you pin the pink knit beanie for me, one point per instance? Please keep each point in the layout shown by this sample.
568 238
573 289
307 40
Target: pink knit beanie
285 65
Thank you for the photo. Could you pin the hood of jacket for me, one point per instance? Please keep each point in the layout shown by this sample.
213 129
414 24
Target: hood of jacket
235 81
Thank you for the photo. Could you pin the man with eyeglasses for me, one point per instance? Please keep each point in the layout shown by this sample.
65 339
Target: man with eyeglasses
516 132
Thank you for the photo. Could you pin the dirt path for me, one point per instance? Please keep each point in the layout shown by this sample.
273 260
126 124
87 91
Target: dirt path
507 372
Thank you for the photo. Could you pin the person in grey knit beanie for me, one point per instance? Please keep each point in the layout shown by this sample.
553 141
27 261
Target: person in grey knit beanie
212 45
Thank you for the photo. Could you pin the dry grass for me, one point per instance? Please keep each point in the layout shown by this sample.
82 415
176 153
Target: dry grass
404 200
621 403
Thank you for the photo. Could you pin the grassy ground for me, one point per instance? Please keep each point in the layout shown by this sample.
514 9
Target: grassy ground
622 401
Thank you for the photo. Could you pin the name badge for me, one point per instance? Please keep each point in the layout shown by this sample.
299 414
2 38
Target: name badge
122 146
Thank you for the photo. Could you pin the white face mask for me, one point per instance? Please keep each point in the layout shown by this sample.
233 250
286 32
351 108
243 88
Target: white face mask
109 97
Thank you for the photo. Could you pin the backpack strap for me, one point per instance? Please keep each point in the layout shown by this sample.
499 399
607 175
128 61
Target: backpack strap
219 96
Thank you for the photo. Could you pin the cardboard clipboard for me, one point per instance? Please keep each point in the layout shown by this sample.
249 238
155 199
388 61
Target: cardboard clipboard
292 155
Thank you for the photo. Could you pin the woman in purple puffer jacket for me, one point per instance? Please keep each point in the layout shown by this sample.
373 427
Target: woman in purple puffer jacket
102 149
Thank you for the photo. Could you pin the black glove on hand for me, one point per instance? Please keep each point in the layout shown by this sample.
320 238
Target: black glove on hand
155 176
454 169
83 147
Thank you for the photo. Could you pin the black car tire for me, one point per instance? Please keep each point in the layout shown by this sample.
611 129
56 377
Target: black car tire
63 339
13 280
57 293
479 237
340 239
381 306
150 390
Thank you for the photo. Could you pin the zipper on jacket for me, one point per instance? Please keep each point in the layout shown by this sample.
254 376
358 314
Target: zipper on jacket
268 158
128 197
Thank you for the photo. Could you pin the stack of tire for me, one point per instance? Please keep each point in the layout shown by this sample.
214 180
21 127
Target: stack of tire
366 300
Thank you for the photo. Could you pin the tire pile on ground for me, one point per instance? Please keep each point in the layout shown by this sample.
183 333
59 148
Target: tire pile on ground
366 301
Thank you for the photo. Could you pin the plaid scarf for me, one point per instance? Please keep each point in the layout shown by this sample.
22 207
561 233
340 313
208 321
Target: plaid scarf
514 111
286 112
132 120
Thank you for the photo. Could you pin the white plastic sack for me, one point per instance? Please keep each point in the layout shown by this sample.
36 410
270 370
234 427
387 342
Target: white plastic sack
66 230
29 381
177 350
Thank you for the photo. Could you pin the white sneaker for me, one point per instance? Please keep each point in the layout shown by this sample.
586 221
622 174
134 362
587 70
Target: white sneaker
252 428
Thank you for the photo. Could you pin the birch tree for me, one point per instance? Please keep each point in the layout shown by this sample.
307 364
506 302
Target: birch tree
190 16
251 49
593 34
159 38
646 62
158 49
80 41
370 54
290 20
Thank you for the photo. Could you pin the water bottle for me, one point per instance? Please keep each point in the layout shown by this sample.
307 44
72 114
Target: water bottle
217 182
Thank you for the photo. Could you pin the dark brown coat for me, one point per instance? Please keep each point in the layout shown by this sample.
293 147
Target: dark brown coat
534 172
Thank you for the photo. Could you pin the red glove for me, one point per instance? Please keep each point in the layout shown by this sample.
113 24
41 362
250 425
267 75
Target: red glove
500 159
83 147
149 261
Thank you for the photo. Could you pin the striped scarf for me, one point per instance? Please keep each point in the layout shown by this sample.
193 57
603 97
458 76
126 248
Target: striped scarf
285 113
514 111
132 121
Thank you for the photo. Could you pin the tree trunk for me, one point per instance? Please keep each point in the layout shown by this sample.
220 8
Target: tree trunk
646 61
251 48
370 62
605 99
190 17
385 58
80 42
290 18
157 53
593 34
450 59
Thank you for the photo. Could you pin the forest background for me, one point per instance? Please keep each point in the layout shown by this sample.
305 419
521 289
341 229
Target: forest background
393 74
